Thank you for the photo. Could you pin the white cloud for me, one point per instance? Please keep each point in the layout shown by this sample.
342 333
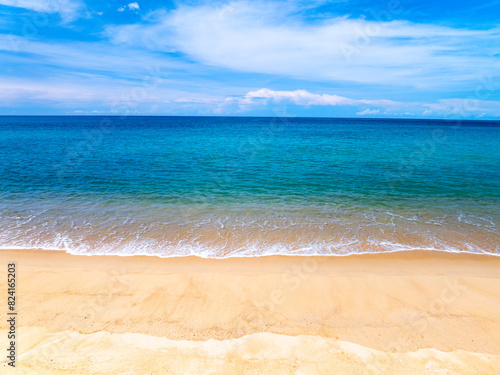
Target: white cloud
197 100
68 9
131 6
369 112
81 57
463 108
79 75
266 37
306 98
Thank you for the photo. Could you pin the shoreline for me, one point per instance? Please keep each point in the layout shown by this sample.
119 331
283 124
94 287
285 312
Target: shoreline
400 302
293 253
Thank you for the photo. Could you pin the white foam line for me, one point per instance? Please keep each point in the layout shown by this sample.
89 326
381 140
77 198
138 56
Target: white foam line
75 252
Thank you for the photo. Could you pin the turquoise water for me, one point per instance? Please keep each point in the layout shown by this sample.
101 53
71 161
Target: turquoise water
219 187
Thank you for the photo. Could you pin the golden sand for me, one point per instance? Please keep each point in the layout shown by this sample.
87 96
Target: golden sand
408 312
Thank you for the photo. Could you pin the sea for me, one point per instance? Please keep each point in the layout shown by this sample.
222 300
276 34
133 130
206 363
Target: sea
218 187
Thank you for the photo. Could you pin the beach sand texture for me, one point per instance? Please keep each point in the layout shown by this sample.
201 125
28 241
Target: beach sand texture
406 312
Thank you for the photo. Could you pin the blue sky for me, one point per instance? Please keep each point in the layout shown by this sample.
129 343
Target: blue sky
359 58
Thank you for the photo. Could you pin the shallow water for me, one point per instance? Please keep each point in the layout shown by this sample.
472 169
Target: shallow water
219 187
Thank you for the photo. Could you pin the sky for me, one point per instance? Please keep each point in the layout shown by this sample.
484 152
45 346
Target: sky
342 58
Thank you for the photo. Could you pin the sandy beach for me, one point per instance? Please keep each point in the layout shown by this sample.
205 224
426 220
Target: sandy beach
407 312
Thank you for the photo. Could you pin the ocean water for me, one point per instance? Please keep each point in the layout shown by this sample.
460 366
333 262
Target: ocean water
221 187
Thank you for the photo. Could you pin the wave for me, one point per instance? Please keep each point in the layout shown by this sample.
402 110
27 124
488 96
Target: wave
215 232
335 250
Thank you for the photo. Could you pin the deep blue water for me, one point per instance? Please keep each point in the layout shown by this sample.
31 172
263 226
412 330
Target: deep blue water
248 186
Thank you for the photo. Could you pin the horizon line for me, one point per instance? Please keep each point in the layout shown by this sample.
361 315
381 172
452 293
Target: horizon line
289 117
